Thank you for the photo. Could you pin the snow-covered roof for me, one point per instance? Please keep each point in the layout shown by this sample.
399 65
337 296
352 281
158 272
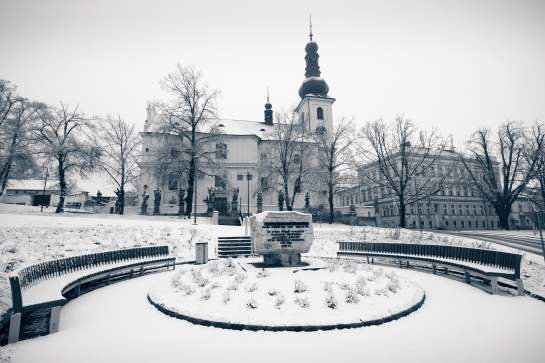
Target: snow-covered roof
32 184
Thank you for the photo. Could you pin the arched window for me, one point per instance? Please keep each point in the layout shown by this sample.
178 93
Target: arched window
320 113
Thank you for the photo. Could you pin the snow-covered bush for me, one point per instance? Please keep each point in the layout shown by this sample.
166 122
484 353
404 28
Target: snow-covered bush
273 292
351 296
333 265
381 292
302 302
279 301
215 285
263 273
251 304
328 286
186 289
393 233
331 301
299 286
226 297
233 286
205 295
250 288
393 282
350 266
239 277
344 286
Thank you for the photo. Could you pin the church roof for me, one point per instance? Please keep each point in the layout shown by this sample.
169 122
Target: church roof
245 128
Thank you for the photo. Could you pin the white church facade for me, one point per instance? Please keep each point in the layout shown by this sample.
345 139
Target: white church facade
246 146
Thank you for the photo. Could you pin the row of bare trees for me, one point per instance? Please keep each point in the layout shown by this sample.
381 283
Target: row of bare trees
495 166
64 141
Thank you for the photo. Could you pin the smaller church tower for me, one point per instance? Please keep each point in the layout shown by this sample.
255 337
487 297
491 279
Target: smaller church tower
268 111
316 107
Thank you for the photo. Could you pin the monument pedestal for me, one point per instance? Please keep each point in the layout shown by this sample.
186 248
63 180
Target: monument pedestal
144 210
210 209
155 209
282 259
234 209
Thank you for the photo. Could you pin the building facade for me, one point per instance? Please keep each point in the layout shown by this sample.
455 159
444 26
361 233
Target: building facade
244 150
454 206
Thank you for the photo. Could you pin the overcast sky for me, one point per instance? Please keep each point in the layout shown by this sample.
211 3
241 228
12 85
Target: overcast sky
454 65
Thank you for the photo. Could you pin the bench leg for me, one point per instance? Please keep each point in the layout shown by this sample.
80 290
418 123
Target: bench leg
14 328
468 277
520 287
407 262
173 265
141 270
434 269
77 291
400 264
108 279
367 259
494 284
372 260
54 319
446 270
132 272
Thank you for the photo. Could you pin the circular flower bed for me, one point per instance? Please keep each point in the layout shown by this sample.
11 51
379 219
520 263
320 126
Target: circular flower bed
240 294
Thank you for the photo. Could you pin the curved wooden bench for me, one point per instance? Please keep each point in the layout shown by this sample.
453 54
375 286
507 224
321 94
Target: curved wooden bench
43 285
486 264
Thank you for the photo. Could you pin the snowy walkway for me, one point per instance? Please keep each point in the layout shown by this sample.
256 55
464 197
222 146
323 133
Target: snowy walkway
458 323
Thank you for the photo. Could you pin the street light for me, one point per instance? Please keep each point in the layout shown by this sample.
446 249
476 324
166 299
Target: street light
248 178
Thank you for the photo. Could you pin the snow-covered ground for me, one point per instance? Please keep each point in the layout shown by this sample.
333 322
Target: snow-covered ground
116 323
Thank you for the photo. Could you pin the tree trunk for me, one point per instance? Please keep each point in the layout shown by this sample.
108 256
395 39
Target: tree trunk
402 208
121 200
4 176
503 214
190 188
331 211
62 182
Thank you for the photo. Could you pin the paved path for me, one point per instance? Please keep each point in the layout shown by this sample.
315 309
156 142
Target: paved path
457 323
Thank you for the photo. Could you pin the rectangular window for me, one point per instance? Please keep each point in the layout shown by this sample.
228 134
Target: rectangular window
219 182
297 159
221 151
264 184
474 210
172 181
240 177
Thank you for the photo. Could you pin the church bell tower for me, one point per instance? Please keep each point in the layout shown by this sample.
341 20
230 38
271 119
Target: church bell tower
316 107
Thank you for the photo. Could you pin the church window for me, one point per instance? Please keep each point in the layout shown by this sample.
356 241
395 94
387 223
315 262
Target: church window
219 182
147 149
264 184
221 151
320 113
172 181
175 154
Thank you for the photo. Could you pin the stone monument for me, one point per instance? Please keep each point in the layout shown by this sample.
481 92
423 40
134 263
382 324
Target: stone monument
307 201
259 202
280 201
144 206
234 203
156 201
281 237
181 203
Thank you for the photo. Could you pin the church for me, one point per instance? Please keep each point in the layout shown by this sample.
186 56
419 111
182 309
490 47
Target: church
245 147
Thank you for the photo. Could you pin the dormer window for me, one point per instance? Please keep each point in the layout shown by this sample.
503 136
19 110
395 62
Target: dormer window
320 113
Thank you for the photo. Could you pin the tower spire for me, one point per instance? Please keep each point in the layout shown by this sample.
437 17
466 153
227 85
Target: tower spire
268 110
310 35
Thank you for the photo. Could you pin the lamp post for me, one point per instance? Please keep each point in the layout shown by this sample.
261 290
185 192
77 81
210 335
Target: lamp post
195 202
248 178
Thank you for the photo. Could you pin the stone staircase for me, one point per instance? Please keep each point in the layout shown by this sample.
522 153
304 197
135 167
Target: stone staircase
234 246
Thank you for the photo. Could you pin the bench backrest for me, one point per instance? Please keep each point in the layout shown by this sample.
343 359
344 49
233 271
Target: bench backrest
30 275
496 259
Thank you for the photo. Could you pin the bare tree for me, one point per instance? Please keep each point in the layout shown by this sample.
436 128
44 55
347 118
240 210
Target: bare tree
406 161
191 116
59 132
289 156
334 159
499 167
17 118
119 144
